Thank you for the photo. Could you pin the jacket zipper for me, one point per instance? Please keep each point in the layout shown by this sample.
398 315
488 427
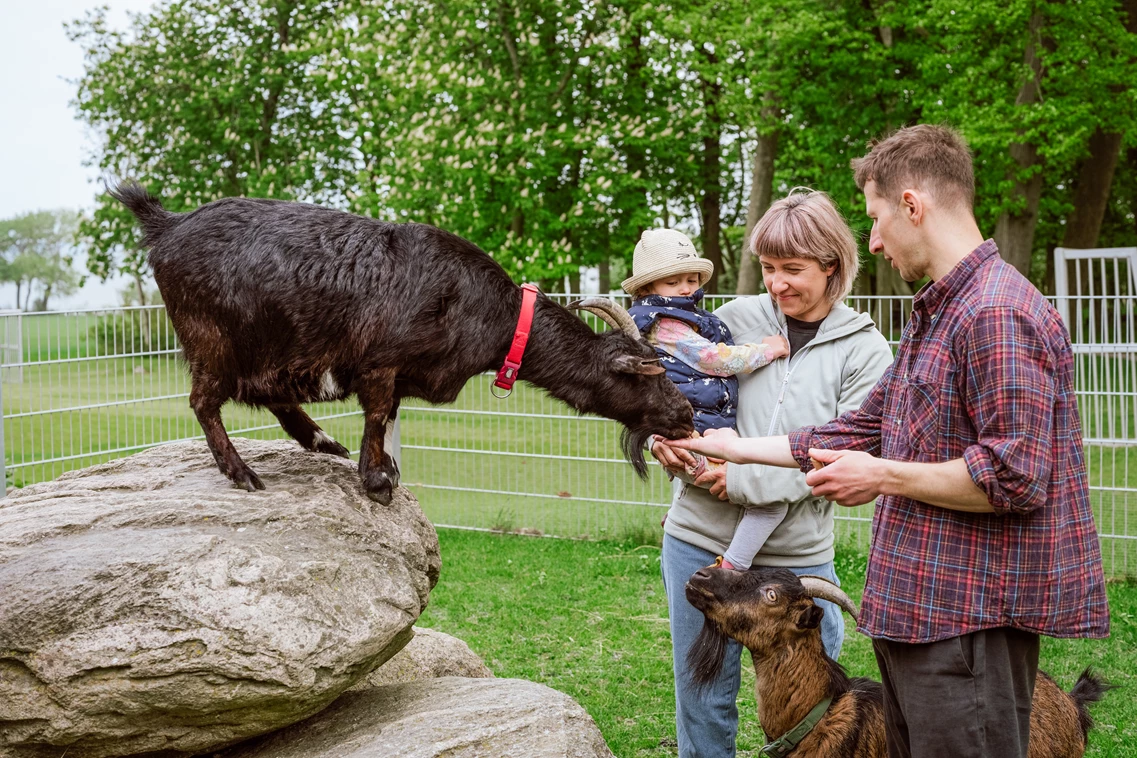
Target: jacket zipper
782 392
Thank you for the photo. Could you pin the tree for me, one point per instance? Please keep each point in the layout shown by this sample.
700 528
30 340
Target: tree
38 250
202 99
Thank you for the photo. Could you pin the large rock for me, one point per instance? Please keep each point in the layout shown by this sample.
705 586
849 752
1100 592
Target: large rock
149 607
452 717
429 655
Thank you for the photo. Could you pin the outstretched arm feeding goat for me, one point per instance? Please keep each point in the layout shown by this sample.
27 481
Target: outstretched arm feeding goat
278 304
771 612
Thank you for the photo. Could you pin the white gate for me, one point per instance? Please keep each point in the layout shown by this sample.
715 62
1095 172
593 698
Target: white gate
1096 293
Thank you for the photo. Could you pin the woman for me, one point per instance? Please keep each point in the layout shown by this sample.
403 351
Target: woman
809 262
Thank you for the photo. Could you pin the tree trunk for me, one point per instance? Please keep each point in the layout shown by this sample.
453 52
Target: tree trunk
19 286
710 205
1014 232
888 281
761 194
605 275
1095 175
1091 191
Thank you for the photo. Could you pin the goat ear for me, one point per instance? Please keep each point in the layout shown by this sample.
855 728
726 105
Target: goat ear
810 618
631 364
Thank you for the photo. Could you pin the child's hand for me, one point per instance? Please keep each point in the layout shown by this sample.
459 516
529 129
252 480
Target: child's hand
779 348
719 445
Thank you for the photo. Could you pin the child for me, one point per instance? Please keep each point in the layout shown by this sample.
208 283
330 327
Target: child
700 357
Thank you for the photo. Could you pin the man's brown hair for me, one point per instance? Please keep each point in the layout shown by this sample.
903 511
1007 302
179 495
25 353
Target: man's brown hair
932 158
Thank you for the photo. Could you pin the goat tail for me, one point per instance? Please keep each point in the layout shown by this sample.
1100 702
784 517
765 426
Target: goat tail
155 219
1089 688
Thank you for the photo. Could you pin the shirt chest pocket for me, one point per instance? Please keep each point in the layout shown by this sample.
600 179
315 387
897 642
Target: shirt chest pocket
922 415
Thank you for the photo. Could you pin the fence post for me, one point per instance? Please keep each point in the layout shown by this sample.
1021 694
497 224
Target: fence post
392 444
1062 287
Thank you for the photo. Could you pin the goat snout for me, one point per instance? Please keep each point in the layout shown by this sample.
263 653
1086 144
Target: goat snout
703 574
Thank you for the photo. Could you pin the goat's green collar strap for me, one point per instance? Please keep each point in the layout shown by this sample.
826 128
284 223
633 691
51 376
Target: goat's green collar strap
785 744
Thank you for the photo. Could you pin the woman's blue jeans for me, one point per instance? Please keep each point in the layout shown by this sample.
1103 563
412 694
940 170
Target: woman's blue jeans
707 720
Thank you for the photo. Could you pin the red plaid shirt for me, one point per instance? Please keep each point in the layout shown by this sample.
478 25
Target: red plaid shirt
984 372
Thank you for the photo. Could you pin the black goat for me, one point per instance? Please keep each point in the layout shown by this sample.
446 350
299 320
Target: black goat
772 613
278 304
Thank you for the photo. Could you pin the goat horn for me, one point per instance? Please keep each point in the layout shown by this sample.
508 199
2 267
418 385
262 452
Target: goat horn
610 313
819 587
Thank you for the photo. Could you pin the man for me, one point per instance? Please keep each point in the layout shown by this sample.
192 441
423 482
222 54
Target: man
983 537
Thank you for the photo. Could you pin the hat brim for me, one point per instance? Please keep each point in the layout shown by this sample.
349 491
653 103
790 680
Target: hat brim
700 266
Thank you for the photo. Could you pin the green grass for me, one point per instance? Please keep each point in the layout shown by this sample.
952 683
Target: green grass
590 619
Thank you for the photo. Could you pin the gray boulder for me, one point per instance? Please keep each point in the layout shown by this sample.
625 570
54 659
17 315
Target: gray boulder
150 607
452 717
429 655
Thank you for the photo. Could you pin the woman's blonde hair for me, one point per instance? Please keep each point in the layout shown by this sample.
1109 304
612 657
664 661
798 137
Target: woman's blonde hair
806 224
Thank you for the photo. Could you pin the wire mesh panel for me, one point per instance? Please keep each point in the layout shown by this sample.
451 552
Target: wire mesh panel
83 387
98 385
1096 291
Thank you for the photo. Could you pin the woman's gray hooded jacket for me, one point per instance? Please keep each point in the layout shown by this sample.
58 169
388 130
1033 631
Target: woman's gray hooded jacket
830 375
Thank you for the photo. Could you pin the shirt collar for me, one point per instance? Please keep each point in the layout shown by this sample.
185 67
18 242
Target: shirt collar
934 294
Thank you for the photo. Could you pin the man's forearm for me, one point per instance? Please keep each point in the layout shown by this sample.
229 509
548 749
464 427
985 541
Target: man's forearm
947 485
771 451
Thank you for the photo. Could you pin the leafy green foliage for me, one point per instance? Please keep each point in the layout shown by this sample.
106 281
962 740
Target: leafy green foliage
551 132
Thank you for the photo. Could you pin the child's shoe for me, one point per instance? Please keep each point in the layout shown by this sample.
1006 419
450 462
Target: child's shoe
700 466
720 563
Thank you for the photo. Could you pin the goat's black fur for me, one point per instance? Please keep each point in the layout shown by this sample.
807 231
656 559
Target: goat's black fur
279 303
706 655
1088 689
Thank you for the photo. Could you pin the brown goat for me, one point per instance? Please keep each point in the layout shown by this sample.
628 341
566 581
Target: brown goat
278 304
771 612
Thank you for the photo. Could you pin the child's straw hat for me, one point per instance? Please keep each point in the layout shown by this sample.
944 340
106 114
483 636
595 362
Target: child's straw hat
665 252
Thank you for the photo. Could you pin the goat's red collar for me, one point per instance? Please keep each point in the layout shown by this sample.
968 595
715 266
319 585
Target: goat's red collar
507 374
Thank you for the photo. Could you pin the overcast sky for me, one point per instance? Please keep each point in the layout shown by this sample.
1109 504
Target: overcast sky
41 143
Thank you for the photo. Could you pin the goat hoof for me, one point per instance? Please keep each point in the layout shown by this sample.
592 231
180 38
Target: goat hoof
331 447
247 480
383 496
325 444
379 487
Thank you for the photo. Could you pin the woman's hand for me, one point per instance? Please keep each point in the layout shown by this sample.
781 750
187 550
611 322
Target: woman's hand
671 458
715 481
716 443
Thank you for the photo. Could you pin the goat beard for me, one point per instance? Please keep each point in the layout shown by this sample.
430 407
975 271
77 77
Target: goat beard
705 658
633 441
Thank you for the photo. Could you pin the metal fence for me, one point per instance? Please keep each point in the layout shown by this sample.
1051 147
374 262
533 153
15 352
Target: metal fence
89 386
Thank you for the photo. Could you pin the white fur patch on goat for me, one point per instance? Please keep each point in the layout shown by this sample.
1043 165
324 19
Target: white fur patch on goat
329 390
322 438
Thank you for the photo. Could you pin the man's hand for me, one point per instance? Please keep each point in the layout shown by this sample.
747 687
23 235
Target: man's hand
848 477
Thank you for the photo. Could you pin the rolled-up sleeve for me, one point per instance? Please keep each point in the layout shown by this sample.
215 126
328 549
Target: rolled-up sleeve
1009 396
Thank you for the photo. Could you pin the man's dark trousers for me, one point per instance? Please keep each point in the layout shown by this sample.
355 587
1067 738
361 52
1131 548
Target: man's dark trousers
963 696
